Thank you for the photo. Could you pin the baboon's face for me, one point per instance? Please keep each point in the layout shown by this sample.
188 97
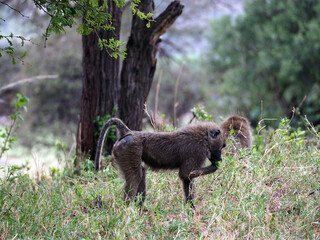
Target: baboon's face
216 142
216 139
237 123
215 157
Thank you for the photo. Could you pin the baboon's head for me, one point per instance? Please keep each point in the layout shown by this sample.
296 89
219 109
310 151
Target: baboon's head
215 137
239 128
235 122
216 142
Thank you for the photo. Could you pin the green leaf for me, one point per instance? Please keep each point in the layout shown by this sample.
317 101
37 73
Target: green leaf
20 118
24 54
10 43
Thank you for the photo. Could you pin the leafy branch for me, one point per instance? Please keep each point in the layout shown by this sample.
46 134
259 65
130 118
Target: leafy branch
6 138
200 113
10 50
64 14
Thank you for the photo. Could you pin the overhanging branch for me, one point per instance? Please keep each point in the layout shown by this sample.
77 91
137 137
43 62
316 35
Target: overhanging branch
14 9
165 20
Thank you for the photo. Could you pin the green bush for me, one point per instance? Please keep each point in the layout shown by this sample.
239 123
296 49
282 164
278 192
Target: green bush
265 62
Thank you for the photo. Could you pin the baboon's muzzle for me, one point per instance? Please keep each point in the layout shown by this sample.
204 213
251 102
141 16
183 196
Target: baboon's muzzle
216 156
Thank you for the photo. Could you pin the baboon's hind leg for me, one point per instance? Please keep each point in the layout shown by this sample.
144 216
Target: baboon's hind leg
142 187
128 153
133 181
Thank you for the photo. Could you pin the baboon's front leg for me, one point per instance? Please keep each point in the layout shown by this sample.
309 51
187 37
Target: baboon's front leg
188 191
203 171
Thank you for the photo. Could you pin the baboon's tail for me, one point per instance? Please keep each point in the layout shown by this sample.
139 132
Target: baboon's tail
121 127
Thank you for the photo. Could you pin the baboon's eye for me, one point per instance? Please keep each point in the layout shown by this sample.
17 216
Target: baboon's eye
215 133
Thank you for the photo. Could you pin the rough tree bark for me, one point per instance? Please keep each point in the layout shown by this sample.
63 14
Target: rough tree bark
140 63
100 83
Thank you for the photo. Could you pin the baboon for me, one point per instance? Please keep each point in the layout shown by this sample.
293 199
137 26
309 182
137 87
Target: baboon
185 150
242 130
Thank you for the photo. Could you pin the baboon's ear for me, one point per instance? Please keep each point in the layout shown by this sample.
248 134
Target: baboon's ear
215 133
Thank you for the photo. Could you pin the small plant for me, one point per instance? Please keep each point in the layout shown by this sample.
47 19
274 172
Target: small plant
100 121
111 136
159 124
6 134
64 154
200 113
165 127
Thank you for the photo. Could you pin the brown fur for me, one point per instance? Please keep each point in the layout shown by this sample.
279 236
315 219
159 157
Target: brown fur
185 150
242 130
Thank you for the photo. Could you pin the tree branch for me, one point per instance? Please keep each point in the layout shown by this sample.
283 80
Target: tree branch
14 9
165 20
32 79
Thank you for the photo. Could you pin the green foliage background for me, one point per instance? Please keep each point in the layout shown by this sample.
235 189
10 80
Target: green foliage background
270 53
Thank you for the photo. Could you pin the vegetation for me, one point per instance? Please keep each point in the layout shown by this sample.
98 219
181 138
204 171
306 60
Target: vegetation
268 193
6 134
270 55
63 14
100 29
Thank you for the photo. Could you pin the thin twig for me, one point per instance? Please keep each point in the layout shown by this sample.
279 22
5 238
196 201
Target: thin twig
19 37
44 10
175 104
193 117
302 101
262 120
9 133
311 128
16 10
46 35
157 93
152 120
95 30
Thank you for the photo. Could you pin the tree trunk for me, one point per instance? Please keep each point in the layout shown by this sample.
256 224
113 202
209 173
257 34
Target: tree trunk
140 63
100 87
100 84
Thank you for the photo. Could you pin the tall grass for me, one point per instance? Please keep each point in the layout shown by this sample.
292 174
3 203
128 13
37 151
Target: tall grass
270 192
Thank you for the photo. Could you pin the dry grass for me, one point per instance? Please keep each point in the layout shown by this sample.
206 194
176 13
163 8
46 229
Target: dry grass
271 192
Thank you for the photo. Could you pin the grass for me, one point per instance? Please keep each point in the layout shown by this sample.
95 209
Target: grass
271 192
